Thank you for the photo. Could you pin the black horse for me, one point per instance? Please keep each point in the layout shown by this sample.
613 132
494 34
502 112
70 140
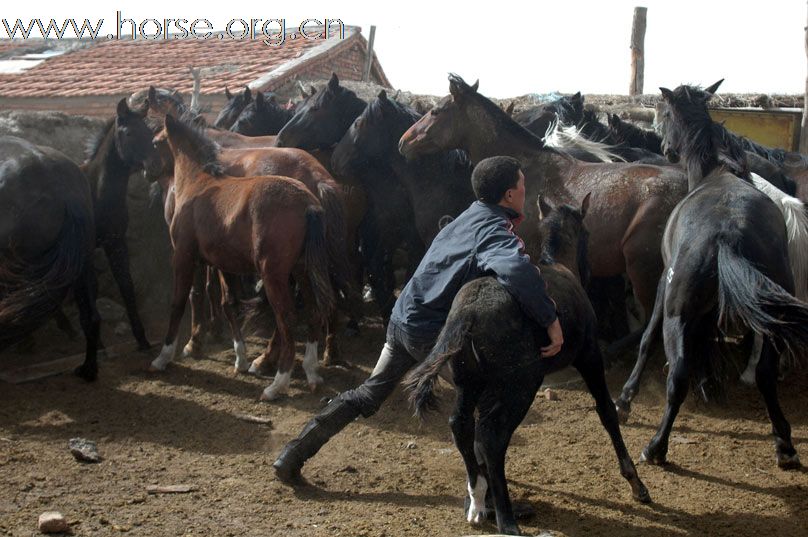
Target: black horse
726 268
233 107
122 147
262 117
46 243
494 353
436 185
566 109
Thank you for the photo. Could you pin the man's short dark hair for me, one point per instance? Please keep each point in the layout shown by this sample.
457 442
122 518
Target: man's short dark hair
492 177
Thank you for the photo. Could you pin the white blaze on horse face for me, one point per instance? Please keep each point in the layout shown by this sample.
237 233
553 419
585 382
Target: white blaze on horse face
278 387
476 512
310 364
164 358
242 364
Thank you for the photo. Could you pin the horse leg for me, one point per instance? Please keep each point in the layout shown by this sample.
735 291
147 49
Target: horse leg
85 290
499 415
184 267
676 337
280 297
226 281
648 345
749 374
315 326
213 291
590 366
118 255
766 374
198 323
331 354
63 324
462 424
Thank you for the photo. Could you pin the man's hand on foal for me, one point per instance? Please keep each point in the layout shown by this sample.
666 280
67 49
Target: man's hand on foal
556 340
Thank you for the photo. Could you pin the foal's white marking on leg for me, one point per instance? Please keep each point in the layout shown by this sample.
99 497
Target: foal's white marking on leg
280 385
165 356
188 349
310 364
242 364
477 504
748 376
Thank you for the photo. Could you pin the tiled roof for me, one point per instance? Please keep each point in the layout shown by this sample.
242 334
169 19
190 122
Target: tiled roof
120 67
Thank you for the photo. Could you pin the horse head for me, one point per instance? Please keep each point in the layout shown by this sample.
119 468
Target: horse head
232 108
564 236
441 128
322 120
263 116
133 138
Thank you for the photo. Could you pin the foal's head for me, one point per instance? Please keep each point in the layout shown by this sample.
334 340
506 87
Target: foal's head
232 108
321 121
263 116
373 135
565 237
132 138
164 101
190 141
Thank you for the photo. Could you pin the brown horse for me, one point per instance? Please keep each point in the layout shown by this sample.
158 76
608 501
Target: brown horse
299 165
272 225
630 202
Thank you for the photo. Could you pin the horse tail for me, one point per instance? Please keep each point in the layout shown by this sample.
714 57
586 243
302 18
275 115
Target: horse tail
796 219
337 243
31 292
316 258
420 383
747 297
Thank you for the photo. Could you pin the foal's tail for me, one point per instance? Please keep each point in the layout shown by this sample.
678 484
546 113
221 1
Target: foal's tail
337 242
31 292
316 258
747 297
420 383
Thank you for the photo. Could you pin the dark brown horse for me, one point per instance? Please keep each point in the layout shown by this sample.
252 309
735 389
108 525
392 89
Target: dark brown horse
630 202
47 238
272 225
121 148
233 107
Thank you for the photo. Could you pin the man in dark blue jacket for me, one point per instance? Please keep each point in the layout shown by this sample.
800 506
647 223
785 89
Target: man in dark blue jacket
479 242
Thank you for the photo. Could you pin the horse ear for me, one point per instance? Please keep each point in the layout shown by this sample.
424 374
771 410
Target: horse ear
333 82
312 89
259 98
271 98
382 96
585 205
171 125
509 109
123 109
475 85
144 109
152 94
228 94
667 94
247 94
545 208
712 89
577 97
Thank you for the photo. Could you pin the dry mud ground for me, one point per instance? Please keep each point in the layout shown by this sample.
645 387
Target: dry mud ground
385 476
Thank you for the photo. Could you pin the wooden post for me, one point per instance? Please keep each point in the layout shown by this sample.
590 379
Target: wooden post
197 74
637 51
804 126
369 59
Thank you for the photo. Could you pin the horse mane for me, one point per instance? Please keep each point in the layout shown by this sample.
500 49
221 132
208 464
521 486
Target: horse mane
375 110
500 117
202 149
566 137
95 143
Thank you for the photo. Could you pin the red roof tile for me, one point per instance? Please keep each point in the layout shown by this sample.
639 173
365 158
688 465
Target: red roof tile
119 67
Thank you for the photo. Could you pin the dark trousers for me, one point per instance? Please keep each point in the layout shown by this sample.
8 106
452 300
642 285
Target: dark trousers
402 350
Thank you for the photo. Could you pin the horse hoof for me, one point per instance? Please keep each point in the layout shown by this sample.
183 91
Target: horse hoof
655 460
86 372
314 386
788 462
270 395
510 530
623 411
642 495
192 350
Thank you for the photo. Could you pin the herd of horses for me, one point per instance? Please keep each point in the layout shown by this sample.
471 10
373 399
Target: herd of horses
319 196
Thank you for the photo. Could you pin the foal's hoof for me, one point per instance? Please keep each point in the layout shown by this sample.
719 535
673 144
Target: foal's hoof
623 411
271 395
788 462
86 372
259 366
641 494
649 458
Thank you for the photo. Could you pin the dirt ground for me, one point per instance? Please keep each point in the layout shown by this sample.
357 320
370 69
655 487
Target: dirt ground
385 476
